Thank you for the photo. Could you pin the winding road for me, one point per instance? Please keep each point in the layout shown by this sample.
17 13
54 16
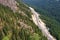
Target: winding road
41 25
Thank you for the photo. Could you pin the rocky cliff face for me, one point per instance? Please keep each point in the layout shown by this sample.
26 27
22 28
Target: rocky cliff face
9 3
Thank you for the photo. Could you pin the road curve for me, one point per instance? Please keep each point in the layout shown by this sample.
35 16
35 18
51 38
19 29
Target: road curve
41 25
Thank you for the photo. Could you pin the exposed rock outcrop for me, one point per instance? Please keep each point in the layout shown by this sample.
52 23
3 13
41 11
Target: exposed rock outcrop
9 3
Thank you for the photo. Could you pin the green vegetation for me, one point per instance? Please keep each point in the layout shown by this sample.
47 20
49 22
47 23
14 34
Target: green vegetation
49 12
51 23
12 29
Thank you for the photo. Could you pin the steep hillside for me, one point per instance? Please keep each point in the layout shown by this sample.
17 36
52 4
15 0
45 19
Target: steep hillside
17 24
50 13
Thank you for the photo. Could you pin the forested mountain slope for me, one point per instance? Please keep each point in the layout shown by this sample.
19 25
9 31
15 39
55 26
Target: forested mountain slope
50 13
16 22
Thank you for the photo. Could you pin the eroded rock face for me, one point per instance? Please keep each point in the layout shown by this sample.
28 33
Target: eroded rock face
9 3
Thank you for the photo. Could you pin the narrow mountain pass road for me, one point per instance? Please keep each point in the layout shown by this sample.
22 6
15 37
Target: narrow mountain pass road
41 25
